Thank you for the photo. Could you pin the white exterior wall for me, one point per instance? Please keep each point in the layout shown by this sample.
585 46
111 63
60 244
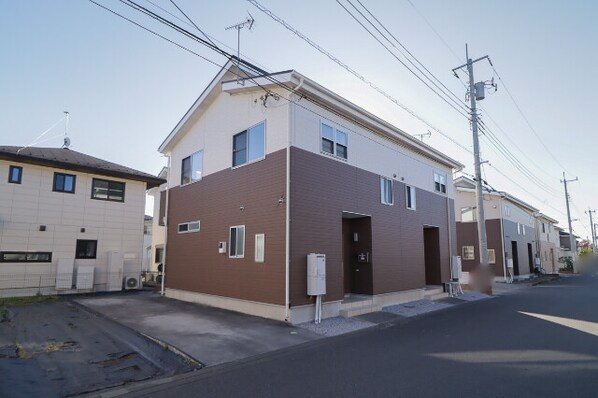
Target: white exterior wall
26 206
228 115
367 150
158 231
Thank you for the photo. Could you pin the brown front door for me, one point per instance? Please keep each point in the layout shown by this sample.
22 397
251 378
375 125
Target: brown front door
432 255
357 255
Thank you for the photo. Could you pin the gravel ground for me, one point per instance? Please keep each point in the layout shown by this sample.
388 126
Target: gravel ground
415 308
336 326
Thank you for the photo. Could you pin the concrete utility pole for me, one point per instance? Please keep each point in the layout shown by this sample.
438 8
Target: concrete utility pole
571 238
589 212
476 91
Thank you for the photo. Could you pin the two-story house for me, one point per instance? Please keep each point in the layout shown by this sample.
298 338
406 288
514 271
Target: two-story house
548 243
69 222
510 230
265 172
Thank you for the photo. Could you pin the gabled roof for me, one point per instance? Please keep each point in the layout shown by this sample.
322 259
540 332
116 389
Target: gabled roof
297 82
550 220
68 159
466 184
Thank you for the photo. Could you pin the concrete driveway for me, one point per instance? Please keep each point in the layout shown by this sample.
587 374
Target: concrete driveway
208 335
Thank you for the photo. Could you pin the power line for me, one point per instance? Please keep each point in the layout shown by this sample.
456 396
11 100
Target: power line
443 98
193 23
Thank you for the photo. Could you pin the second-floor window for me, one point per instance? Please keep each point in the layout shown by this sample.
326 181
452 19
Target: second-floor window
15 174
192 168
386 195
439 182
334 141
468 214
108 190
249 145
64 183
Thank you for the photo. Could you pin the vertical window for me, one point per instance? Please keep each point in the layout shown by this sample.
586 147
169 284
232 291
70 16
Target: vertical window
334 141
467 253
543 228
159 256
64 183
507 211
260 243
386 196
491 256
249 145
468 214
410 197
15 174
86 249
237 242
439 182
108 190
191 168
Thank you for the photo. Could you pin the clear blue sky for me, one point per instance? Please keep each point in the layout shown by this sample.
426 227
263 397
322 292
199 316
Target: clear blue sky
126 89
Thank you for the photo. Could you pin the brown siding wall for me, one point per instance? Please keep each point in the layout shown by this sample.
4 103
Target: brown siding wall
322 188
193 261
467 235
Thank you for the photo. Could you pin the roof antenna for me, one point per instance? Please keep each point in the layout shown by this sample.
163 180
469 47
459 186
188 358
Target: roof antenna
67 141
248 22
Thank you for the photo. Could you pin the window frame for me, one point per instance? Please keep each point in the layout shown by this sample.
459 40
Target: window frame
466 248
188 224
26 253
410 197
492 258
95 250
383 191
230 241
55 189
473 212
263 244
191 163
441 176
158 255
247 146
10 171
335 141
94 180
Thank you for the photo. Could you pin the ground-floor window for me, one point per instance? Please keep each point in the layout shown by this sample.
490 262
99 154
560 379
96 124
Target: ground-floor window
468 253
86 249
25 257
159 255
237 241
260 243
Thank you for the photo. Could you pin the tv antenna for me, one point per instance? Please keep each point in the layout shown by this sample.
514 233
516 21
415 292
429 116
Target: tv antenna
67 141
248 23
421 136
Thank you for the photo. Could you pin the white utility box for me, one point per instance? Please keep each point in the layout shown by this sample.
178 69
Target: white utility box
64 273
316 274
85 277
114 280
456 268
510 263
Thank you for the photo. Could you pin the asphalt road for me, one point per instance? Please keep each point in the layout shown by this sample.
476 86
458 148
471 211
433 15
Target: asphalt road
482 349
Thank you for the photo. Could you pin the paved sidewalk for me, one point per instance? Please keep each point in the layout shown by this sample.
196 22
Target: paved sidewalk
209 335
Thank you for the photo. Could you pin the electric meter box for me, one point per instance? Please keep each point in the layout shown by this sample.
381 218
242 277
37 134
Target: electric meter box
316 274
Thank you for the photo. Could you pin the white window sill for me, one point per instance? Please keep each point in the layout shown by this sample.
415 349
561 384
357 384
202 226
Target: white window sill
189 183
333 156
248 163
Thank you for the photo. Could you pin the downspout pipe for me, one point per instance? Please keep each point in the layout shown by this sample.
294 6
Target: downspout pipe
166 222
502 239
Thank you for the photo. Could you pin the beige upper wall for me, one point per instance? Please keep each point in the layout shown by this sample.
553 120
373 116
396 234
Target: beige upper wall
26 206
492 204
226 116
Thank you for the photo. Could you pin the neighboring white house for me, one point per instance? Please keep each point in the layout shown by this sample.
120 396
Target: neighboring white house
147 243
69 222
158 230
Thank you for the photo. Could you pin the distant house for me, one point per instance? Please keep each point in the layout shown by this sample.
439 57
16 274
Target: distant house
510 230
261 177
69 222
158 232
565 243
147 243
548 243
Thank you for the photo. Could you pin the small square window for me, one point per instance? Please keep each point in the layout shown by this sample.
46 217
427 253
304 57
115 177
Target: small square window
64 183
440 182
86 249
249 145
113 191
15 174
334 141
468 253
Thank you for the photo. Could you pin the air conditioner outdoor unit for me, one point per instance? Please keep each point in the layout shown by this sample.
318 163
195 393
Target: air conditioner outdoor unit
132 282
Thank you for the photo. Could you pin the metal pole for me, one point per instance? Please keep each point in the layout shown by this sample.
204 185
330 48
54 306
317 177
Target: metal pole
483 243
571 239
592 228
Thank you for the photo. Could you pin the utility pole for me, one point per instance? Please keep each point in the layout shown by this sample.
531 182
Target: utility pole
476 92
571 238
589 212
